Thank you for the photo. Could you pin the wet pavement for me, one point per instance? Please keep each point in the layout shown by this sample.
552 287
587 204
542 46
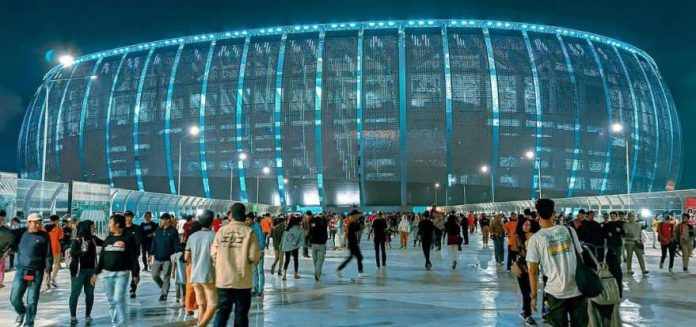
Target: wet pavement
477 293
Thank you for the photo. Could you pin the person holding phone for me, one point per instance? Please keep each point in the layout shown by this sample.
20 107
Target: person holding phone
34 256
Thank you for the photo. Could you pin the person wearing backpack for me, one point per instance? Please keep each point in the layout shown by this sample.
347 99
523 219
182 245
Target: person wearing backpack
685 239
667 241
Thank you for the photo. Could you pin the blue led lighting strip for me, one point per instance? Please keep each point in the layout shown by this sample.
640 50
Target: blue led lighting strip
359 118
317 120
495 109
201 123
240 121
576 127
107 124
669 116
636 131
539 118
136 122
83 114
657 124
168 121
448 105
39 132
402 116
277 122
607 101
59 124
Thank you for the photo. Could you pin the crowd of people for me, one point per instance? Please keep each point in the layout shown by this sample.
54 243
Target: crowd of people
217 265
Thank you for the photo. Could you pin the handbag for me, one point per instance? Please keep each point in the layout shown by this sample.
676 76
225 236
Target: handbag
588 281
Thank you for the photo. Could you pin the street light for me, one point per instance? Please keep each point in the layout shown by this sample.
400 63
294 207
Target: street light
265 171
484 169
617 128
193 131
532 156
437 188
65 61
242 157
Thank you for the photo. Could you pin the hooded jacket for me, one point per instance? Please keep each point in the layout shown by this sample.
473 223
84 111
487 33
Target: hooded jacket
235 250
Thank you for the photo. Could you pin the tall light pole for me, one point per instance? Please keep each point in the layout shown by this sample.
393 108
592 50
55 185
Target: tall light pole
464 180
532 156
437 188
285 181
484 170
193 131
617 128
66 61
242 157
266 171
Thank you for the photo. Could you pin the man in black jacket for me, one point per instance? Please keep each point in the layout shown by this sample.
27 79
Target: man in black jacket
164 244
318 234
34 256
379 230
426 229
353 242
147 228
137 235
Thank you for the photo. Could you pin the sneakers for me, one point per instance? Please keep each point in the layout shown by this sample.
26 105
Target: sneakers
88 321
132 295
163 298
645 272
670 270
662 265
686 270
361 275
338 273
454 265
530 321
19 321
54 285
428 266
73 321
297 276
630 272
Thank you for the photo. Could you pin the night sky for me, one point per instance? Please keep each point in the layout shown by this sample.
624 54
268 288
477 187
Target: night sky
29 29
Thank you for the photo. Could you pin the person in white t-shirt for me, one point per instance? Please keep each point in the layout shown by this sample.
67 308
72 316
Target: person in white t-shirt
554 249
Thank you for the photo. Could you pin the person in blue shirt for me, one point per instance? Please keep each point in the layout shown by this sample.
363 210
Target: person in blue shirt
259 278
164 244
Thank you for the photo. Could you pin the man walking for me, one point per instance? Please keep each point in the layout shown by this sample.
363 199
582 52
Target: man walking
202 269
259 278
318 235
55 233
34 255
137 236
147 228
235 251
379 230
164 244
353 242
426 229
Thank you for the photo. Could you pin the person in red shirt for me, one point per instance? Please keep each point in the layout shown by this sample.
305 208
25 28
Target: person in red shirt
217 223
471 220
510 230
56 235
266 226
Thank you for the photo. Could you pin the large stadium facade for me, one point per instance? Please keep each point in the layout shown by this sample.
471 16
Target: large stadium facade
372 113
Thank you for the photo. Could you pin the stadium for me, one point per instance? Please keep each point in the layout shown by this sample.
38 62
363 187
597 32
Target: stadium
383 113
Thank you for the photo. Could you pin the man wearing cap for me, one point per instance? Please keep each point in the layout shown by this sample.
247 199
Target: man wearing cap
137 235
235 251
353 243
164 244
148 229
33 257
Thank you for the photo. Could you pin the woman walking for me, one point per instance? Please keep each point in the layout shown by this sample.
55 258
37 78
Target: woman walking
277 235
453 238
525 229
83 251
291 242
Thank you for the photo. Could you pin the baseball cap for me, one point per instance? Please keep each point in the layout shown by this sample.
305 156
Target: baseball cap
34 217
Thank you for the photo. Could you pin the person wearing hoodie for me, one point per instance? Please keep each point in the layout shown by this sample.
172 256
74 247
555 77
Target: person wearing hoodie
404 229
290 244
235 251
83 251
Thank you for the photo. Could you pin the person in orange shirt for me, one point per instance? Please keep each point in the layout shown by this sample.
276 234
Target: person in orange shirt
55 233
266 227
510 230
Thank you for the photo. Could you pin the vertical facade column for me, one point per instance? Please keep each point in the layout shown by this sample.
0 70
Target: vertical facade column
669 116
657 124
317 119
59 123
538 133
448 108
83 114
607 100
201 123
239 121
359 118
107 123
495 111
403 146
277 121
635 131
136 122
168 121
576 126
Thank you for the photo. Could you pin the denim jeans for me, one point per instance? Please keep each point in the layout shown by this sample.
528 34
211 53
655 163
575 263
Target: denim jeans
115 285
19 288
318 253
240 299
499 251
77 284
258 276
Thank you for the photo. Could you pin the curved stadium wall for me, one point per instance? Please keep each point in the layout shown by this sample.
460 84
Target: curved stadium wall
370 113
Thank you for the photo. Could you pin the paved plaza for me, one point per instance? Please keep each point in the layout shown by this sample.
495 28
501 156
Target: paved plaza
477 293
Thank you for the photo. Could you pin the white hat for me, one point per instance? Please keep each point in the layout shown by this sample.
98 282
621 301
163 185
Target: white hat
34 216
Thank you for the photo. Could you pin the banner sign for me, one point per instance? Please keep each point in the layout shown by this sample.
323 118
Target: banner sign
91 201
8 193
